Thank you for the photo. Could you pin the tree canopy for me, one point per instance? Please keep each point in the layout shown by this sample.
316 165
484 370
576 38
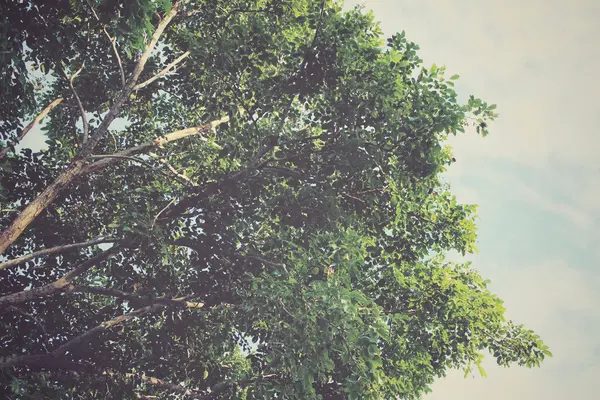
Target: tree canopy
239 200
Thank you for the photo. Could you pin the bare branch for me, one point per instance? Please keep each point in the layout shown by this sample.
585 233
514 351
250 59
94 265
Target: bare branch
54 250
165 71
268 263
93 10
37 119
58 285
158 142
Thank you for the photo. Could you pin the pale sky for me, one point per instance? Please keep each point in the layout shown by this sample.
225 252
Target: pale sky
536 178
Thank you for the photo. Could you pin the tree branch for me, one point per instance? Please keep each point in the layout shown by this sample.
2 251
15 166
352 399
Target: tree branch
24 360
268 263
121 319
79 104
182 302
37 119
158 142
113 42
131 82
135 159
58 285
181 177
165 71
284 171
30 316
54 250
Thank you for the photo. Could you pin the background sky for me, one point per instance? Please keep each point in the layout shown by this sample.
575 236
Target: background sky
536 177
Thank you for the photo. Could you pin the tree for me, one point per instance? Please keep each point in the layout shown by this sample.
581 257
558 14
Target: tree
265 218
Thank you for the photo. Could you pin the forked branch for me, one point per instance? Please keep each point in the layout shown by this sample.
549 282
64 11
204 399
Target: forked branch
165 71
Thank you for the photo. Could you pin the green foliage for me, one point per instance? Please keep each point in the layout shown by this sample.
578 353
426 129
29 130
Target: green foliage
312 225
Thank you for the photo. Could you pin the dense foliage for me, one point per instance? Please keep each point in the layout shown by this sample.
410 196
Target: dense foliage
264 220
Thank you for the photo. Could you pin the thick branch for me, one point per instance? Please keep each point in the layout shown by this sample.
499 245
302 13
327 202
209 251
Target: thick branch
37 119
165 71
54 250
58 285
39 204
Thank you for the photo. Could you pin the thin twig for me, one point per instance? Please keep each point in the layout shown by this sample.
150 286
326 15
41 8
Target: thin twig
31 316
165 71
79 104
181 302
113 42
354 197
54 250
162 211
136 159
172 169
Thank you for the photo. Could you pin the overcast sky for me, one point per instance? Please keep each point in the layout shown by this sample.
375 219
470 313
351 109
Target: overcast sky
536 177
